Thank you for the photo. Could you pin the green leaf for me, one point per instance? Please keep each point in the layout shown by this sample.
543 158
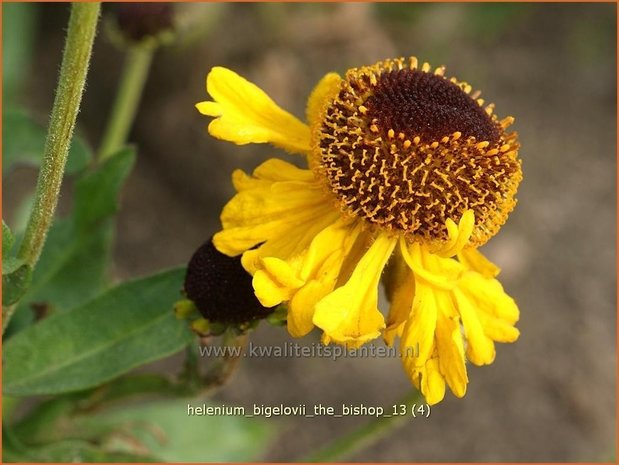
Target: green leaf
73 451
95 192
18 35
72 267
125 327
167 432
24 142
16 276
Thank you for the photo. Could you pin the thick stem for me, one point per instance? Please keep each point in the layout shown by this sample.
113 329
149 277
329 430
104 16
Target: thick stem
365 435
73 71
137 65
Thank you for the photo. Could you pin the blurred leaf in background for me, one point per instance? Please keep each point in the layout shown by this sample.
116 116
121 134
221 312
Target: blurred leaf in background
18 35
158 431
486 22
166 431
25 141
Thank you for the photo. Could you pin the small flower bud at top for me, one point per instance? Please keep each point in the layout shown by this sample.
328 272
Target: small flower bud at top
137 21
220 287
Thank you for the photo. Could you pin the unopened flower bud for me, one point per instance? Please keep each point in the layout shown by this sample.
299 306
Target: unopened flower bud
139 21
221 289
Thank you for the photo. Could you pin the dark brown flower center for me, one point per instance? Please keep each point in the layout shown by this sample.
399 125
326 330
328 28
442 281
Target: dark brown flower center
405 149
417 103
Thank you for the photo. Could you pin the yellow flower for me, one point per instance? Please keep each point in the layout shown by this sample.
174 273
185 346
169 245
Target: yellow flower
408 172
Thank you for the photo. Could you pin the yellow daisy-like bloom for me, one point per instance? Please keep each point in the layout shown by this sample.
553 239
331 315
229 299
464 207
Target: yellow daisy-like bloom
408 171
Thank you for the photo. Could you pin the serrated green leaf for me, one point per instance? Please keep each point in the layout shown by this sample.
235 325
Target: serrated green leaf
23 142
125 327
166 431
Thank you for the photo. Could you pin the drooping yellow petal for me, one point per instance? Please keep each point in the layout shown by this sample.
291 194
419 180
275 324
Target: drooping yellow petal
302 306
416 254
324 91
429 380
245 114
349 315
275 264
462 299
418 334
269 291
474 260
432 382
480 348
275 198
450 345
400 288
320 270
497 312
488 296
290 239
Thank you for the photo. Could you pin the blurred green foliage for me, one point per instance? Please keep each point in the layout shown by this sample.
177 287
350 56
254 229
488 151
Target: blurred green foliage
18 35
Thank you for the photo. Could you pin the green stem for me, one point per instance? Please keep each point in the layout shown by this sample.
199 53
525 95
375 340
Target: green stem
365 435
75 60
73 71
137 65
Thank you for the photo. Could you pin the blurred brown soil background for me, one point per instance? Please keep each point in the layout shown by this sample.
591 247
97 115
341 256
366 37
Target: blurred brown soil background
548 397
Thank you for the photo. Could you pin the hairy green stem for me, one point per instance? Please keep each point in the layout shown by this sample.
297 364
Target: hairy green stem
367 434
137 65
75 61
73 71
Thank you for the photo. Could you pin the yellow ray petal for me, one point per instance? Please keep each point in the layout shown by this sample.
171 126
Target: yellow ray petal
302 306
418 334
319 270
480 348
497 312
449 270
488 296
450 346
428 379
290 239
474 260
399 284
325 90
277 197
400 293
432 382
349 315
268 290
275 282
245 114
